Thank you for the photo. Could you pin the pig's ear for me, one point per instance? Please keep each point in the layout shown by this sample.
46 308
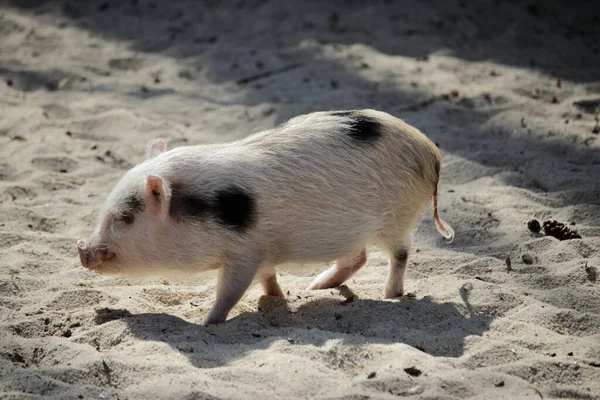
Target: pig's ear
158 193
155 147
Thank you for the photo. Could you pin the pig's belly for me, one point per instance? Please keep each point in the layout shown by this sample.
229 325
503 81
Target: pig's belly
322 240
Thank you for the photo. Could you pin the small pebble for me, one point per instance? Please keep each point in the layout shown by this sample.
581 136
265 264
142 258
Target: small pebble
592 273
412 371
371 375
467 287
527 259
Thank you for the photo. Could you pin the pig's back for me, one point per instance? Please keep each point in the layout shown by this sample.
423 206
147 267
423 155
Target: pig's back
332 181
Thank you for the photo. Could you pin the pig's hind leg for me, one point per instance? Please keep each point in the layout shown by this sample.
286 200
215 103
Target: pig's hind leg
394 285
396 245
343 269
235 276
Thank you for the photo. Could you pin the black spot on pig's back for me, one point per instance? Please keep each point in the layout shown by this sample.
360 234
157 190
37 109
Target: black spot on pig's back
230 207
187 206
361 128
234 208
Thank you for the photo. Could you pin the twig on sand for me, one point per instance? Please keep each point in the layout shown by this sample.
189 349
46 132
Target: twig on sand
537 390
417 106
267 74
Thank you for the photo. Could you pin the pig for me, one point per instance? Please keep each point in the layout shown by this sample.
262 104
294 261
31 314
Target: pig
317 189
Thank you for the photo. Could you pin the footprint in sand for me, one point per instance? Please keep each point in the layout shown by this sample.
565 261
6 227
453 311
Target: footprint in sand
56 164
30 81
590 106
126 64
57 111
7 172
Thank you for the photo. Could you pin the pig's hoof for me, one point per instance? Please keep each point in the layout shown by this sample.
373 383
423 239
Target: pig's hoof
322 285
316 286
212 320
331 278
276 295
393 295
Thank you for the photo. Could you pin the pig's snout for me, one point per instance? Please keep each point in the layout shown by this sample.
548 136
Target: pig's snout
92 256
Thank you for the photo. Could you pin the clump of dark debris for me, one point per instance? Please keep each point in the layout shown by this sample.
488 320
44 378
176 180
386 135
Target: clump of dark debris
534 226
559 230
553 228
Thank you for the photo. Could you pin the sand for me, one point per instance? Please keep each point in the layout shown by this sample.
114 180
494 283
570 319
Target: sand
510 92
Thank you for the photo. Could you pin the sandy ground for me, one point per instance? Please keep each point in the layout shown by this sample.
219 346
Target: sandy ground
509 90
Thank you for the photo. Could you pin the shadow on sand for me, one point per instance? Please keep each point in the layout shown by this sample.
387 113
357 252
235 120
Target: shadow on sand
438 329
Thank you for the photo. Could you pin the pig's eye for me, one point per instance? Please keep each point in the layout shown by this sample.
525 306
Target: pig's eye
127 218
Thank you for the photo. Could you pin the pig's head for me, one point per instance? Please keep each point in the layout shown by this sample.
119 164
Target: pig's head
135 232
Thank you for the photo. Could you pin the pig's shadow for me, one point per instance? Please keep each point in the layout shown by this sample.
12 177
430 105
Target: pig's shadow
436 328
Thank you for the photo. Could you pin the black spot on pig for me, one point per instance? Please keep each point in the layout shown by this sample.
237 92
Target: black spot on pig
436 169
361 128
234 208
135 204
401 255
187 206
231 207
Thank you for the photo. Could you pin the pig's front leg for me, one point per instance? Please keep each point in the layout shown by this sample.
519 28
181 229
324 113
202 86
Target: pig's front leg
235 276
270 285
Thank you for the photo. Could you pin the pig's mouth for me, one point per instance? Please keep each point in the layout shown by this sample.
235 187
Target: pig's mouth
94 259
107 257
